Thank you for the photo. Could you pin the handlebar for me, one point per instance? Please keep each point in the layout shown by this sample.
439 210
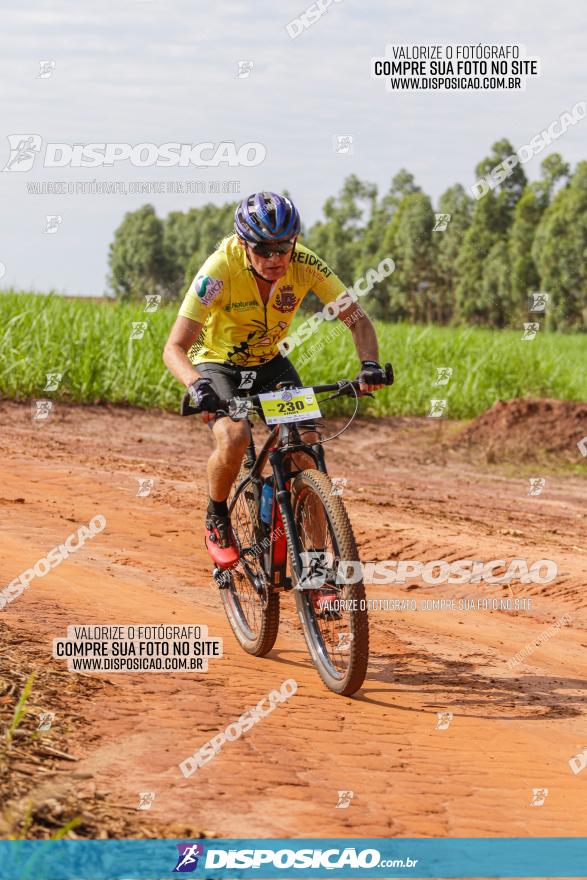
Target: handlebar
343 386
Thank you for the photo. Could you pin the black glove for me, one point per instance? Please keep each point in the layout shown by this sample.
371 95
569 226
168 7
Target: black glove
203 395
371 373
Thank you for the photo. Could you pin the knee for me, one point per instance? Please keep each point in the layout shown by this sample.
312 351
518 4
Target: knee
231 435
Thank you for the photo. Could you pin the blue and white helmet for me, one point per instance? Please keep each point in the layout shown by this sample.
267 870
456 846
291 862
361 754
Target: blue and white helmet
266 216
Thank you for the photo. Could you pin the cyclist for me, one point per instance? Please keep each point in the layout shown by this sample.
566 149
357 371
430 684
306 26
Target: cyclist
235 312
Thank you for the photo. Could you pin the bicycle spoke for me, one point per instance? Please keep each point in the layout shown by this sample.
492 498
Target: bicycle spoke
315 534
245 592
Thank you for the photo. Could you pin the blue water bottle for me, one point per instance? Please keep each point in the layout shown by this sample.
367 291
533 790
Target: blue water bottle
267 501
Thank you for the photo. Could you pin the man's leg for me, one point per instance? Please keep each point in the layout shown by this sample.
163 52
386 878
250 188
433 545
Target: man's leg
231 440
230 437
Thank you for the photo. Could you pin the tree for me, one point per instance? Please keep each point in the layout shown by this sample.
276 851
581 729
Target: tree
554 171
456 203
478 241
490 223
496 285
214 222
527 214
560 250
512 240
181 238
138 265
380 216
525 278
338 238
403 184
510 189
414 222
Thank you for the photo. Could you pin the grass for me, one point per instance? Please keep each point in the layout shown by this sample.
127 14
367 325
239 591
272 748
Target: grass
26 822
20 708
89 342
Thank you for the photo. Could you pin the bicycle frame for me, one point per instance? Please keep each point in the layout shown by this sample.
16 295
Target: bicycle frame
277 449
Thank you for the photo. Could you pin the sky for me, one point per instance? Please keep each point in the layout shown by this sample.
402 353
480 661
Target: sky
161 71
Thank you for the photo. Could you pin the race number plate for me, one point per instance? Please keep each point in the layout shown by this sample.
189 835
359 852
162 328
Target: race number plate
289 405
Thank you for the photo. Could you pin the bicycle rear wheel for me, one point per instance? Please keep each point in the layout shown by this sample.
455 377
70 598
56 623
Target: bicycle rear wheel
251 607
336 629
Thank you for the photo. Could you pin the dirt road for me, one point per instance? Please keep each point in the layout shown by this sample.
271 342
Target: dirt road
512 730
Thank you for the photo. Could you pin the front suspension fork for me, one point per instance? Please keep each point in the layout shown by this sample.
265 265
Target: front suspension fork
283 499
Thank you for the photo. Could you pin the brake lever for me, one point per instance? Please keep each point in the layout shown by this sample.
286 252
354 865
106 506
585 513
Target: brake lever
346 388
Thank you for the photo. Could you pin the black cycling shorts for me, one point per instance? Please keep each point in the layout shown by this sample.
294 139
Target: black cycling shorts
229 380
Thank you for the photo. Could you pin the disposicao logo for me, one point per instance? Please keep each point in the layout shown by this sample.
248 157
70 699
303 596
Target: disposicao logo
187 860
24 149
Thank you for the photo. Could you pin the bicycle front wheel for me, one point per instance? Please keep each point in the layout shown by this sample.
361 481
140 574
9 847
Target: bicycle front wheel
251 606
333 615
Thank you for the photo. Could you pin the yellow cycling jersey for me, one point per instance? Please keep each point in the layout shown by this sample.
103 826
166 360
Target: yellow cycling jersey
237 327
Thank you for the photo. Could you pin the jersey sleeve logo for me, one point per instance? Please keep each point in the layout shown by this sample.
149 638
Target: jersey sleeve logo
208 289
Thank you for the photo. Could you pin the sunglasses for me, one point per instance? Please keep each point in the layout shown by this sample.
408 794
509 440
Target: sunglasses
269 250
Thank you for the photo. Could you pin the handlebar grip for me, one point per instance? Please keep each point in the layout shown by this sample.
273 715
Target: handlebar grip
187 408
389 375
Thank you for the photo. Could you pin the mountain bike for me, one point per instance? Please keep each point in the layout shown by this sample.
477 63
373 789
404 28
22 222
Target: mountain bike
293 534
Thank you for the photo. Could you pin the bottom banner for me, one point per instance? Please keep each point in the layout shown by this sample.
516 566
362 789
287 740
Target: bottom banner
309 857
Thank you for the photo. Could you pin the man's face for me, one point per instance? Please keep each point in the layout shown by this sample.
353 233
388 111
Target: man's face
273 266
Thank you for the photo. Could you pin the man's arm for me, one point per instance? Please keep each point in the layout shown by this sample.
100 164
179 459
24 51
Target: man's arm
175 354
364 337
183 335
327 288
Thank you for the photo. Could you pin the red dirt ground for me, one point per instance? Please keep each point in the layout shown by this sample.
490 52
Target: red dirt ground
409 496
527 428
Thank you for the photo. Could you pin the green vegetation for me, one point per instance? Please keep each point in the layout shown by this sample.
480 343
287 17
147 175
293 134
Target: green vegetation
458 296
90 344
20 708
478 268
